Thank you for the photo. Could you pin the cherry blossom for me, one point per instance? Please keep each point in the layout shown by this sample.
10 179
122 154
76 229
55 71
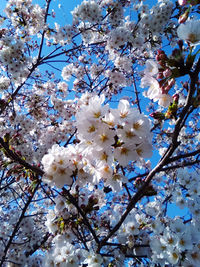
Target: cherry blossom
99 122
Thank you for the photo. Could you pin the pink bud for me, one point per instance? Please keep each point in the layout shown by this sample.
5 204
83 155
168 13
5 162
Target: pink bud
167 73
184 17
163 56
157 115
159 75
159 52
176 98
157 57
185 85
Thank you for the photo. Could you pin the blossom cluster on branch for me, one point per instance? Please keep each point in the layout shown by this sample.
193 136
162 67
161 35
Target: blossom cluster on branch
100 134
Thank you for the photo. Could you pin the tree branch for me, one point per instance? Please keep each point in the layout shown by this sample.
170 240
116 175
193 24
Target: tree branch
17 225
163 161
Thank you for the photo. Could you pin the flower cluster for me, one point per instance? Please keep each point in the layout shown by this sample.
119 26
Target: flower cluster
121 134
13 56
154 92
4 83
116 80
117 14
27 227
113 135
61 35
88 11
61 163
62 222
175 241
62 254
118 37
155 20
26 17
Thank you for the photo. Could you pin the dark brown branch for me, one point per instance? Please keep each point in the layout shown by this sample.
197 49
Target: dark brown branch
12 155
12 97
74 202
37 246
179 125
139 194
136 95
186 155
171 160
163 161
43 33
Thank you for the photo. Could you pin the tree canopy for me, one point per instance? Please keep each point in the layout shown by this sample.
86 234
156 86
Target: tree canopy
100 134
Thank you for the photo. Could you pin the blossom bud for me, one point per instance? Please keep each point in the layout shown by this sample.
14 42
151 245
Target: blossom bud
176 98
184 17
159 52
157 57
163 56
185 85
160 75
160 55
157 115
167 73
53 14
